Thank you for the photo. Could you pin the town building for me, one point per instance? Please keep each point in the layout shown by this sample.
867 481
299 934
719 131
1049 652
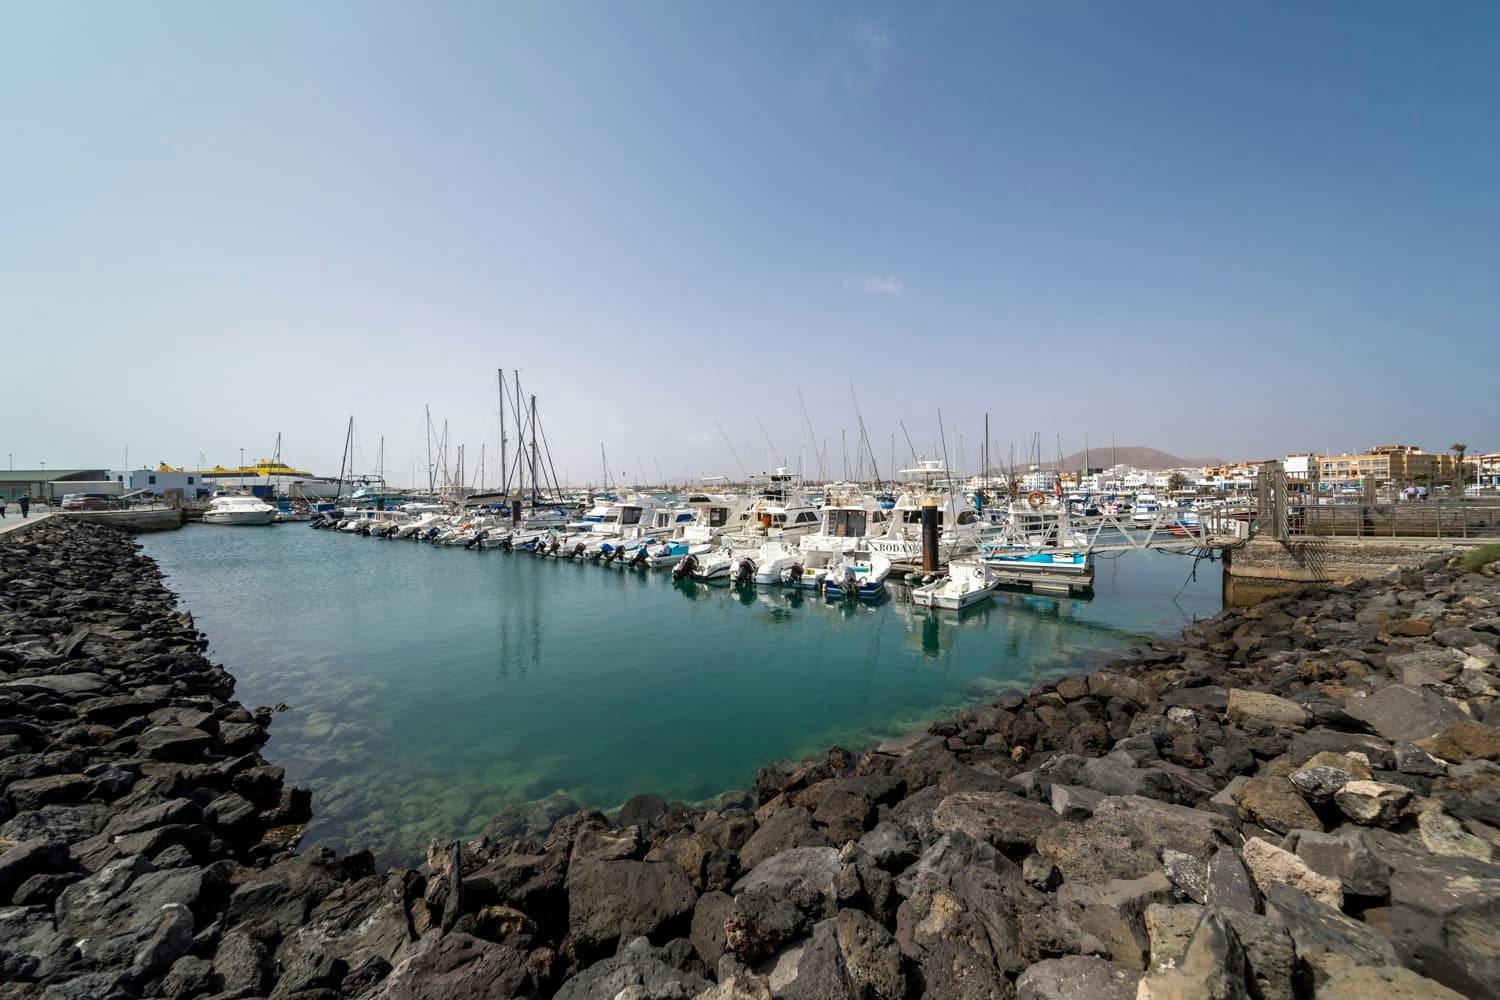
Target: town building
1389 463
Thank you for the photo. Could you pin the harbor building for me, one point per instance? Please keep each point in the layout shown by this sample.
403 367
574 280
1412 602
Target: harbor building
162 482
48 483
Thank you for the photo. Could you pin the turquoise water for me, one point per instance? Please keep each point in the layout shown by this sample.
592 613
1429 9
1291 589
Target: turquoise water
430 687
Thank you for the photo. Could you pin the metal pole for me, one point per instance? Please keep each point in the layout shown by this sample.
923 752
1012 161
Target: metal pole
929 535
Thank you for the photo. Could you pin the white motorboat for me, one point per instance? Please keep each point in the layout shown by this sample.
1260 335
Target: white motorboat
771 561
239 509
860 576
968 583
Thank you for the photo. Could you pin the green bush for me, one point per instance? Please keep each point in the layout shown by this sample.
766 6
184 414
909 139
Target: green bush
1481 557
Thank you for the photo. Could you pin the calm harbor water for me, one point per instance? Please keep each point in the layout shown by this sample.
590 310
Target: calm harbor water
430 687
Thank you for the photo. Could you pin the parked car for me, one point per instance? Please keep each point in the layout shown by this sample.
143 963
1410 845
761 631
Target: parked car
90 501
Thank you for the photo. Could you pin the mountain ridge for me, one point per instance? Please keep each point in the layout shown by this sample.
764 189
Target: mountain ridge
1136 457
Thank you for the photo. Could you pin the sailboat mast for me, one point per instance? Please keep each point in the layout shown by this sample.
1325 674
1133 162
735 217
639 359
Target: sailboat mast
343 462
504 468
533 451
521 441
431 486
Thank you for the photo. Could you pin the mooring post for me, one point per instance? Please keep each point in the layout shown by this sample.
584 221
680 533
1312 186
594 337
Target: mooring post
930 535
515 511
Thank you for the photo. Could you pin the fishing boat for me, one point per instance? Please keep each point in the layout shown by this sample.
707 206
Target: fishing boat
969 582
861 576
236 508
779 512
849 518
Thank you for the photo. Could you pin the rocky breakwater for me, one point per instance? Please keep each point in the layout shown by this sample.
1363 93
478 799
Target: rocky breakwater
1298 800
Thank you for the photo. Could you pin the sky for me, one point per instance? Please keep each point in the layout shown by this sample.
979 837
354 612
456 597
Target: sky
1212 229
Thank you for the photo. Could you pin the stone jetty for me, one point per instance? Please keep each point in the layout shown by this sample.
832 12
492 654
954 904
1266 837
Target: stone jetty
1297 800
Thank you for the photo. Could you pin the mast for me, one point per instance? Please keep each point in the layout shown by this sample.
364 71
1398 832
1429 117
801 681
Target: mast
533 451
431 486
343 462
504 468
521 443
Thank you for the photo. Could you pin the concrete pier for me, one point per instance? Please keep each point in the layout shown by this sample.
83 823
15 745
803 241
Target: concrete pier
1267 567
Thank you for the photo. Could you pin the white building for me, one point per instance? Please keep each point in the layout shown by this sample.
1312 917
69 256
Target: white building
187 485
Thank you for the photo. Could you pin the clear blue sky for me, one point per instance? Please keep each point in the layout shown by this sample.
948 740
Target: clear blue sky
1213 229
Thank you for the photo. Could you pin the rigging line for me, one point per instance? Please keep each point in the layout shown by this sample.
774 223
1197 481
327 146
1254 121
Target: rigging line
547 450
913 447
811 436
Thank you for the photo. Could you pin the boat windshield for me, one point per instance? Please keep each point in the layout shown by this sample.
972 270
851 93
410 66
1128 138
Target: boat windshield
845 523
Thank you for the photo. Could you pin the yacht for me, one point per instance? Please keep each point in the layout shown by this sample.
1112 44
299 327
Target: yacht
238 509
779 512
959 524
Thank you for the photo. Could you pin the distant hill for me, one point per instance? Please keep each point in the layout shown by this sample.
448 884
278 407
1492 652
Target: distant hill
1136 457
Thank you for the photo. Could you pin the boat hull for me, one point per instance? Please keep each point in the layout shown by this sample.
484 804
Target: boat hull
240 517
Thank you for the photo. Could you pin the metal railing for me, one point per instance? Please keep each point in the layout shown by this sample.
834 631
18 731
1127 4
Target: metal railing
1436 519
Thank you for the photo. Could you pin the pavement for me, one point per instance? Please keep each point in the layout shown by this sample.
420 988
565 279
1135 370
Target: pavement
14 520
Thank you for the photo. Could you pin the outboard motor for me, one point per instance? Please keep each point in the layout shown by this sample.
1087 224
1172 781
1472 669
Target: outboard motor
850 583
684 569
639 559
792 575
577 552
479 536
744 571
507 544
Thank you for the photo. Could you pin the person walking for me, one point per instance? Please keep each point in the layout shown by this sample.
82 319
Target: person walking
25 503
2 508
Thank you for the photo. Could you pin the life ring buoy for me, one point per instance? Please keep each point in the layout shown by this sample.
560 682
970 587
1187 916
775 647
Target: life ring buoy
1036 498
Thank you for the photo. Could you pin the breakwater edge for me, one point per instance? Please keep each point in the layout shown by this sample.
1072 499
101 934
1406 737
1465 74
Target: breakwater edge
1298 799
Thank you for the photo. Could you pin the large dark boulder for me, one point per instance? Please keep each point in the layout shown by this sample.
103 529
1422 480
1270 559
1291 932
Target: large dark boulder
637 971
610 901
788 828
458 966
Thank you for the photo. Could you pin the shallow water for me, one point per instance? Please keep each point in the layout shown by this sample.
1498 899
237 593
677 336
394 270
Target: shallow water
430 687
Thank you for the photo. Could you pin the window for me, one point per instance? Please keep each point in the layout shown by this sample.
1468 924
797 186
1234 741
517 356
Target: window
190 480
151 480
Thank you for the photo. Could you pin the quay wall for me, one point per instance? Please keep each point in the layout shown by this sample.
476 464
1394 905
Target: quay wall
1295 800
1268 567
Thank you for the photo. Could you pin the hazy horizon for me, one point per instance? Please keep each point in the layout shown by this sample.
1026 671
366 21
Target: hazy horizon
1234 232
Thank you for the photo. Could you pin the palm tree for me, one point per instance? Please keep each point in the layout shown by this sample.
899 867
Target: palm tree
1177 481
1459 449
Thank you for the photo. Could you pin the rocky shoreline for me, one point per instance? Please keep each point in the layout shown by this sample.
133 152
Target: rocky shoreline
1296 800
